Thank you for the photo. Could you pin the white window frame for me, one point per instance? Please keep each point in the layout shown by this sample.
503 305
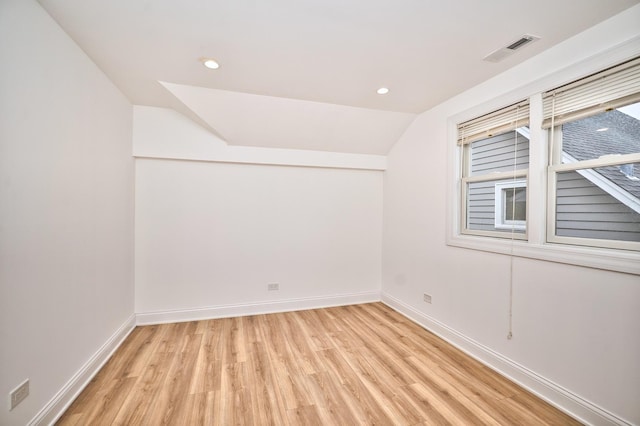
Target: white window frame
536 246
596 94
500 221
501 121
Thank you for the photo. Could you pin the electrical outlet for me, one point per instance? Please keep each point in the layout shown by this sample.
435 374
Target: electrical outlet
426 297
273 287
18 395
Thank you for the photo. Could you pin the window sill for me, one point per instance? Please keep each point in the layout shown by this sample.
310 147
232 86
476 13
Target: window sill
599 258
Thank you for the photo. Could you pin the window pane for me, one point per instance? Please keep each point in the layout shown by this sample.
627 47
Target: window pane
486 207
612 132
500 153
515 204
599 203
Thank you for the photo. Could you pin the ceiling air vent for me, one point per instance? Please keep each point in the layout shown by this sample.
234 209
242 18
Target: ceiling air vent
503 52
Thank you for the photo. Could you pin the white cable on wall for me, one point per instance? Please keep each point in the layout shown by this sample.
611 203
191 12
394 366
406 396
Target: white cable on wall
513 230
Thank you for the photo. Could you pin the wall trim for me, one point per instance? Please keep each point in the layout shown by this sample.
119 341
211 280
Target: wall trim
70 391
556 395
244 309
328 160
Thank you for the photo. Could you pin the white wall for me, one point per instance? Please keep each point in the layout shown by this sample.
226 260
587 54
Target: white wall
574 326
66 208
210 236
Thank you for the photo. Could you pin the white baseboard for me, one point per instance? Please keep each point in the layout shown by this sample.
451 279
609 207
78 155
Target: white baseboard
70 391
554 394
226 311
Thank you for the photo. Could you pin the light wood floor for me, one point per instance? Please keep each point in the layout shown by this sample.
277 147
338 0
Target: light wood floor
362 364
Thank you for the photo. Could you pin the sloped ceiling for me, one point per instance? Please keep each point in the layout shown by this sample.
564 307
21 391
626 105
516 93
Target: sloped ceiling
312 66
266 121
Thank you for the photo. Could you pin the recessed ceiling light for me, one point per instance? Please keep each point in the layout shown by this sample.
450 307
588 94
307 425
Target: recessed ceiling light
383 91
210 63
604 129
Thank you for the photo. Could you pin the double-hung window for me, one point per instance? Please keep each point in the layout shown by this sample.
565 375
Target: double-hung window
594 173
495 164
585 155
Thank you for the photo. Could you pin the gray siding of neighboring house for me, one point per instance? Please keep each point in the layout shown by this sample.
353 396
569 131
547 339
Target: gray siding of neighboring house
489 155
496 154
481 206
584 210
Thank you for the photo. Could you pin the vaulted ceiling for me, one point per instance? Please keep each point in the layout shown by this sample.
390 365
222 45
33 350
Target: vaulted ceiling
304 73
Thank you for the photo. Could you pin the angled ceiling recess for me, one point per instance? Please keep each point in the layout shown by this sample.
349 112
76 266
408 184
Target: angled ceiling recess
267 121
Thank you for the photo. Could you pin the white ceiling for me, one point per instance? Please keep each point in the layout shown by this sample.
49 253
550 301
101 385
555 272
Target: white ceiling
326 51
257 120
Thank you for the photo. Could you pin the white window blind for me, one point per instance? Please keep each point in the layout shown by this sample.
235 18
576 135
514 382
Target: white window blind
604 91
500 121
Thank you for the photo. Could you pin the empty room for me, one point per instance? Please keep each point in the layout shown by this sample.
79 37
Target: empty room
319 212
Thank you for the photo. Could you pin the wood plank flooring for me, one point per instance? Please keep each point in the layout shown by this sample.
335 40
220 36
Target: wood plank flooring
351 365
